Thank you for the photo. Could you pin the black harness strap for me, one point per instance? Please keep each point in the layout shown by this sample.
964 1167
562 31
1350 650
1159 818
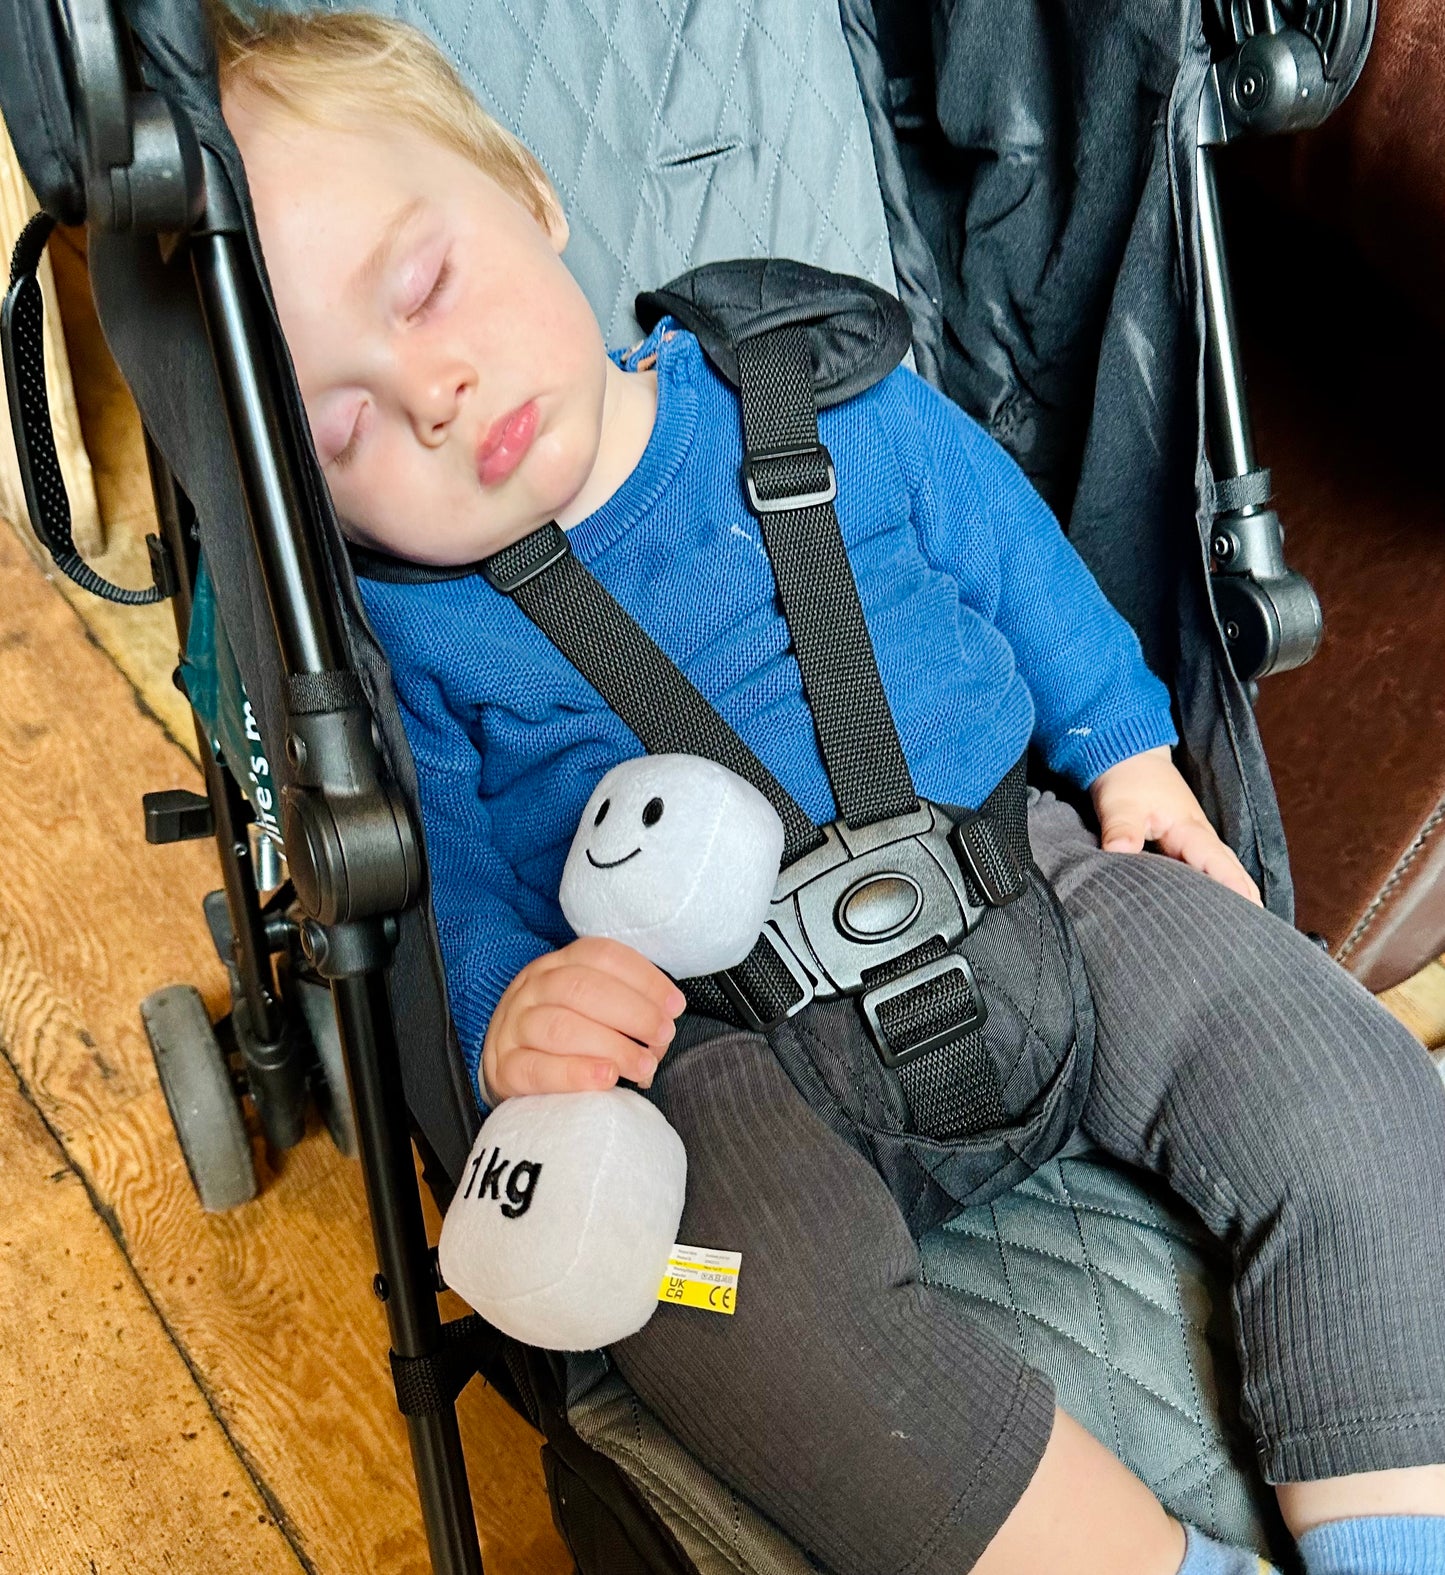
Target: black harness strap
622 662
426 1385
790 484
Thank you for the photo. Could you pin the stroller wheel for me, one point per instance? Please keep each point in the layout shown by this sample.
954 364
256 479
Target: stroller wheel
333 1096
196 1081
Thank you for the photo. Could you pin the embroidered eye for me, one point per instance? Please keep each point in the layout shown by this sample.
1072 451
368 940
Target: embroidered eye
652 812
602 809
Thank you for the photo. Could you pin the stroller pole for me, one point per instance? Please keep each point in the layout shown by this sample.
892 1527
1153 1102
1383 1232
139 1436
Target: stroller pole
1278 67
353 858
1269 612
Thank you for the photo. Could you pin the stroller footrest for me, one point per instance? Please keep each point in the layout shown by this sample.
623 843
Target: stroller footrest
177 815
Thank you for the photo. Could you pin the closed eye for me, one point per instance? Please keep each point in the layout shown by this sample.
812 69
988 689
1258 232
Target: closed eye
439 284
346 455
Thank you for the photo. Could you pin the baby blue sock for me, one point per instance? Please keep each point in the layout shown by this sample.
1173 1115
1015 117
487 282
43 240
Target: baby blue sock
1204 1556
1376 1545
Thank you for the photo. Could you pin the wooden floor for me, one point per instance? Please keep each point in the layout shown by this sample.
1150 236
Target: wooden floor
178 1391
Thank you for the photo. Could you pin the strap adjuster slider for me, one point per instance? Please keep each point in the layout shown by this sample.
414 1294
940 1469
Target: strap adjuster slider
740 998
795 500
954 1026
509 570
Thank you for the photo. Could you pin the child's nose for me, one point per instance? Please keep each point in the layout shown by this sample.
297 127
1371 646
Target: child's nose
436 397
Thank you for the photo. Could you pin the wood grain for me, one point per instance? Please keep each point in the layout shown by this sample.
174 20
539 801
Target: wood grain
271 1304
1419 1003
98 1404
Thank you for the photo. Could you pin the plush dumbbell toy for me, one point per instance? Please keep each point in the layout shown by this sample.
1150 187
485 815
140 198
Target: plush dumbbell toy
569 1203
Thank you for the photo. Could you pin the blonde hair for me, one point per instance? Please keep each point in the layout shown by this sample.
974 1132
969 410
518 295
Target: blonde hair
342 68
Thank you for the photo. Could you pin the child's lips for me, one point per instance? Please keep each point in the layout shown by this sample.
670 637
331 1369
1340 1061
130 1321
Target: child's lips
506 443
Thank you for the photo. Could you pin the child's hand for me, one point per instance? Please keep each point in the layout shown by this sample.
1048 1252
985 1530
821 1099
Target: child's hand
1144 799
578 1019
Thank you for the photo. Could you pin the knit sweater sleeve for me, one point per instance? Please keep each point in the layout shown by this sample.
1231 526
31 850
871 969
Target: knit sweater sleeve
1095 701
474 892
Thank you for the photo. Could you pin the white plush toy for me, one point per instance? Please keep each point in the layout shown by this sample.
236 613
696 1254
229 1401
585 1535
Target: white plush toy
569 1203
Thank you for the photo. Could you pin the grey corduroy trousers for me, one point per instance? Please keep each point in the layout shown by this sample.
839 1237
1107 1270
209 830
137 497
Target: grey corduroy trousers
878 1427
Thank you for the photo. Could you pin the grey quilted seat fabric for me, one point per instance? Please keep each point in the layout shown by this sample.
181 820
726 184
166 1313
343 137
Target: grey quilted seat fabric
1118 1296
676 134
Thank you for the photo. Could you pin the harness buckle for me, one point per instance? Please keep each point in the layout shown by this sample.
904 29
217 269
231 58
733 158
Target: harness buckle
916 1024
755 461
732 985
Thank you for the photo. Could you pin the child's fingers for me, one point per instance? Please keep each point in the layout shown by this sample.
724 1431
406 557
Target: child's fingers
622 962
608 1000
540 1072
1122 832
560 1031
1198 845
1228 871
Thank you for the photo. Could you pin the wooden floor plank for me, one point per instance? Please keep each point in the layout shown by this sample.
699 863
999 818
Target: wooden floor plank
98 1405
271 1304
1419 1003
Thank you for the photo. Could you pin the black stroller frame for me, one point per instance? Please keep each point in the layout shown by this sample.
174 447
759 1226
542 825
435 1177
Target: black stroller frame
353 847
341 820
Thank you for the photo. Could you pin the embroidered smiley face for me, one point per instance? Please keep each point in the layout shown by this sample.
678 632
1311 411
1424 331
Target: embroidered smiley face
652 812
676 856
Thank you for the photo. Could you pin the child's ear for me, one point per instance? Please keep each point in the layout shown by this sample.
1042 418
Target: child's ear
554 220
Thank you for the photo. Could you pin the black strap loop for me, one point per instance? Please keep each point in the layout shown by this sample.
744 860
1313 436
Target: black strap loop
311 694
22 345
1252 490
426 1385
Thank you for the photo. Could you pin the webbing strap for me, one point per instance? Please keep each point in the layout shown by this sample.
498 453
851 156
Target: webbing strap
426 1385
622 662
954 1091
22 350
790 483
1252 490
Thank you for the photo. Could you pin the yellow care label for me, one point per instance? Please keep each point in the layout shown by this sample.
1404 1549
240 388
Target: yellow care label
703 1277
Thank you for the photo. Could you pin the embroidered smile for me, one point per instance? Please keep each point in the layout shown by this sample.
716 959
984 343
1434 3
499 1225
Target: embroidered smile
612 865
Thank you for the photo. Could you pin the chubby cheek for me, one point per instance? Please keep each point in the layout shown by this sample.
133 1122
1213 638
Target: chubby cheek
565 452
419 506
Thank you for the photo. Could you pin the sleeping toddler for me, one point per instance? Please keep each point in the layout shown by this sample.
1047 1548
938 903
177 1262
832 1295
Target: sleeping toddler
460 395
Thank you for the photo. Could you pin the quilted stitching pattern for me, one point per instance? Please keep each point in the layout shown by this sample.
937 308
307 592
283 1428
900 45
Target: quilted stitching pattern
676 134
1113 1294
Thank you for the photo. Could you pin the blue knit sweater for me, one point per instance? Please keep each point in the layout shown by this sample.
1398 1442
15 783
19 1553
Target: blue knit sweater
988 631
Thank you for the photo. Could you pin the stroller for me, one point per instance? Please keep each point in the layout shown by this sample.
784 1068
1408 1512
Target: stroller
938 156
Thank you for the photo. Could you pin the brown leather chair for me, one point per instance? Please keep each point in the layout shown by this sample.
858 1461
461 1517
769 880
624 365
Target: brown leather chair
1337 241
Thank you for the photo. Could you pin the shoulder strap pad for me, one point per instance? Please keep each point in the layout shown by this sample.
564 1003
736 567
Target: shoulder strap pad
857 332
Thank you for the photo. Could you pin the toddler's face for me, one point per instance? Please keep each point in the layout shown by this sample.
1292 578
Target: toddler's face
452 371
